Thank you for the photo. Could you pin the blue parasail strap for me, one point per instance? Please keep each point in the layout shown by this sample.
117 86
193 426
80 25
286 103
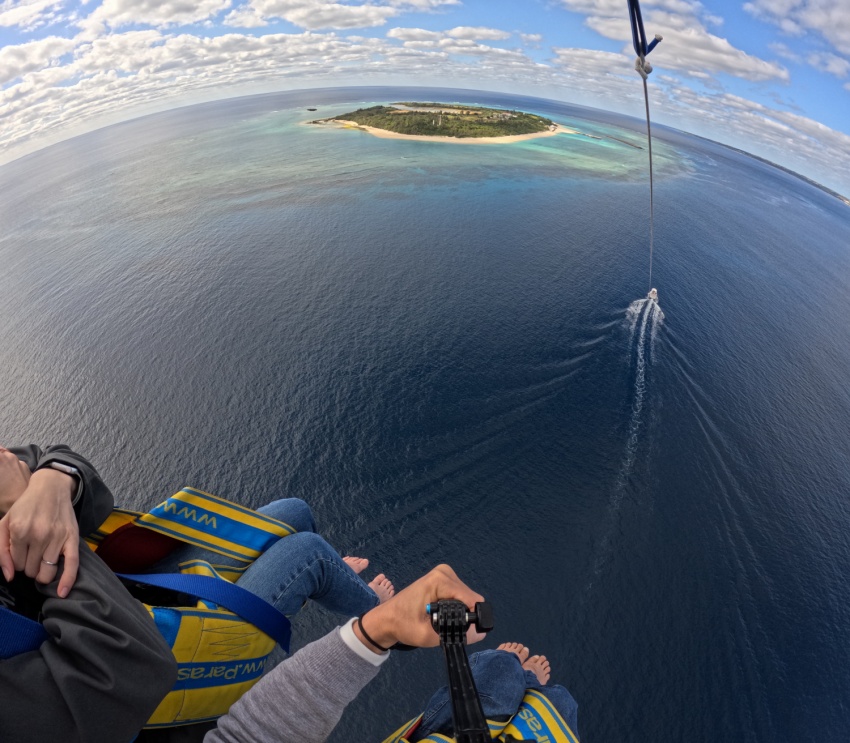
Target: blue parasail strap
241 602
18 634
638 34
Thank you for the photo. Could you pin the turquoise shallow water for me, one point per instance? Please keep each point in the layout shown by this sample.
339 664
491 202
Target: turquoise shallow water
441 348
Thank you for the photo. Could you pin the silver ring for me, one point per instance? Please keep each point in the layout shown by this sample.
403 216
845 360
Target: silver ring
52 564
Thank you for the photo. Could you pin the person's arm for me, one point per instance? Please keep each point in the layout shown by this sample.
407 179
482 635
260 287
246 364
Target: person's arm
92 501
101 674
303 698
39 524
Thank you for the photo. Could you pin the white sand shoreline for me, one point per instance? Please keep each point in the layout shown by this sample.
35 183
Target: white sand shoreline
384 134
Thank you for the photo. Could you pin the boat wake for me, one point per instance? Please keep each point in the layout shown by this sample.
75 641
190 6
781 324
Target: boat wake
644 318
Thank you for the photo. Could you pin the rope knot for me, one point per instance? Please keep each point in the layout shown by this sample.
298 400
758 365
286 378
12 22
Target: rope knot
643 67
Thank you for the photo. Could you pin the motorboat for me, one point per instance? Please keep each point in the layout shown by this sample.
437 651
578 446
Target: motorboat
653 294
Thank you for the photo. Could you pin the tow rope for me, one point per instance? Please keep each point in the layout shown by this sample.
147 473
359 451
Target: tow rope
643 69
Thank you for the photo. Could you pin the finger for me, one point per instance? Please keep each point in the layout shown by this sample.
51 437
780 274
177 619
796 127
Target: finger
6 562
451 587
49 562
32 563
71 563
473 635
18 550
47 568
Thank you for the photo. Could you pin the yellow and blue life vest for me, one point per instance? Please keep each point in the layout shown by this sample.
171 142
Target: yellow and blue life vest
219 655
535 720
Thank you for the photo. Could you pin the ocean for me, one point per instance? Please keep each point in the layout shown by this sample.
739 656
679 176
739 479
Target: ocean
447 351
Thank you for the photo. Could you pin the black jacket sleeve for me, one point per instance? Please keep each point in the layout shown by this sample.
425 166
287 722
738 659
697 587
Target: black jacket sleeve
93 501
101 674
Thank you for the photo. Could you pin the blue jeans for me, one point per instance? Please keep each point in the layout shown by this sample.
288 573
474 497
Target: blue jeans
296 568
501 682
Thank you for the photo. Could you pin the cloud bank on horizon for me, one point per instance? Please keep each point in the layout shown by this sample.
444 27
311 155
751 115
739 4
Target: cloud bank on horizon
768 76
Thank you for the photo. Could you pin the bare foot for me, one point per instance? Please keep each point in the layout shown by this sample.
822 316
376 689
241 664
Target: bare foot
383 587
519 650
539 666
357 564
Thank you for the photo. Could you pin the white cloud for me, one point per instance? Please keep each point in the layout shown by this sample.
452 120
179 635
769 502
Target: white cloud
414 34
21 59
781 136
244 17
611 8
531 38
830 63
829 18
460 41
157 13
28 14
315 15
687 47
478 33
422 5
692 49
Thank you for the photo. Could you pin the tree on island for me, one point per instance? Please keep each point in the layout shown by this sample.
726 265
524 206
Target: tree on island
451 121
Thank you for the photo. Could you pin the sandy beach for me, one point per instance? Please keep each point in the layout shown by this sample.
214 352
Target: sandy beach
384 134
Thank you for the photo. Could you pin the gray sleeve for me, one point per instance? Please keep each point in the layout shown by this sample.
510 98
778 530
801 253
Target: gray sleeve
301 700
101 674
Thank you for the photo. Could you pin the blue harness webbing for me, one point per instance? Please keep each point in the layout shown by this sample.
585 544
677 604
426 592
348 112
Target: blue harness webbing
638 34
18 634
247 605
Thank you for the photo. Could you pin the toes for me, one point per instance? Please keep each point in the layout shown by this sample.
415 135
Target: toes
357 564
539 666
523 653
517 648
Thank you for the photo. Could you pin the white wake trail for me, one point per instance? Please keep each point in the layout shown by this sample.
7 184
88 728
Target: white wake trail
642 315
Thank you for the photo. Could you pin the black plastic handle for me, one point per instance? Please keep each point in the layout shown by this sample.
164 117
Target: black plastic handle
451 620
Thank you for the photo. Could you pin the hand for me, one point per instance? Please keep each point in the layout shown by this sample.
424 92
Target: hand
403 618
14 478
39 528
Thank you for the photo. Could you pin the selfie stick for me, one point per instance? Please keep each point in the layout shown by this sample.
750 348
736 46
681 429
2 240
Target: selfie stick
450 620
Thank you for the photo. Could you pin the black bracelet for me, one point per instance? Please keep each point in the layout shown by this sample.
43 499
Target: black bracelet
366 634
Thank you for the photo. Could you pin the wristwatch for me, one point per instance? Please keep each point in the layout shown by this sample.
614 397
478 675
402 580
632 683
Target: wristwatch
73 472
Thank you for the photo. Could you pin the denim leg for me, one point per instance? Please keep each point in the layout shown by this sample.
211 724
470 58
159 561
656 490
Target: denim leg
296 568
500 680
561 699
305 566
292 511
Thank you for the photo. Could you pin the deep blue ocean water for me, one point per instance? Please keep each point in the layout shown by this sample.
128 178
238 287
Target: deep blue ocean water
445 350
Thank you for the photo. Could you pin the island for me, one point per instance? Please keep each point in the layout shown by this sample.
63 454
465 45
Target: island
446 121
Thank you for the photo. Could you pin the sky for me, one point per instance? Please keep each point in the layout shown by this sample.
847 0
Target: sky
771 77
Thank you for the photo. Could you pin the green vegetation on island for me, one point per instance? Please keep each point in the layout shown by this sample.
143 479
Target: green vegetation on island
447 120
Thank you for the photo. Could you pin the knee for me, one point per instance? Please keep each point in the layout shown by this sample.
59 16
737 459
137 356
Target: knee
500 681
292 511
306 544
